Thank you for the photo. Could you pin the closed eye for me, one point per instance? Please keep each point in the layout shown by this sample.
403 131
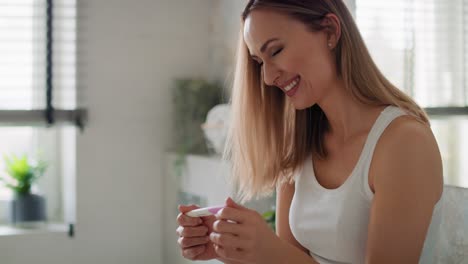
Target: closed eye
276 52
272 55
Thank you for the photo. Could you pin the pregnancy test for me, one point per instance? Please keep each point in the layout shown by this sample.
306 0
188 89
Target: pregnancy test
204 211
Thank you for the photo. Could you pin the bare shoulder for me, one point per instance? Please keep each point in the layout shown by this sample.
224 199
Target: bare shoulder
407 128
409 150
407 172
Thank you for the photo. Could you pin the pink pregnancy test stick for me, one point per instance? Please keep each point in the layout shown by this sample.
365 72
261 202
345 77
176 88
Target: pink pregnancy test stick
204 211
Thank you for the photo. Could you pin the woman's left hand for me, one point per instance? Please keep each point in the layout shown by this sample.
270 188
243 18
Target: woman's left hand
248 240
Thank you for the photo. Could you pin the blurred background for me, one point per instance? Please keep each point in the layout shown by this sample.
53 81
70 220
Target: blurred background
114 112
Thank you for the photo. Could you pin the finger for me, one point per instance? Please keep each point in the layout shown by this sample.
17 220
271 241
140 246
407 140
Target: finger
193 252
223 226
233 214
186 242
233 204
209 218
185 220
186 208
198 231
229 253
227 240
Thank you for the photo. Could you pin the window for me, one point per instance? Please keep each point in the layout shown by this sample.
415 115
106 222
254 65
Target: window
39 95
422 47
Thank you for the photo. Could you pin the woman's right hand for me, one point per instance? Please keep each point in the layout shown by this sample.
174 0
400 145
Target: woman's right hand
194 235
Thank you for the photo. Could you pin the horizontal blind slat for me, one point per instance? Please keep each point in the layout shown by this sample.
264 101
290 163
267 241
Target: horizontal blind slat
23 54
419 45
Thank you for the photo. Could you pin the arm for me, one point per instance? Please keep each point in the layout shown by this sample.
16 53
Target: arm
408 183
228 261
284 195
291 250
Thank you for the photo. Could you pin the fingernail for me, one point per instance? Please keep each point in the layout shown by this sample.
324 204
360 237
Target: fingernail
219 213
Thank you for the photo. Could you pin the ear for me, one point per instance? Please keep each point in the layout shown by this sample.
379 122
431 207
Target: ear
332 28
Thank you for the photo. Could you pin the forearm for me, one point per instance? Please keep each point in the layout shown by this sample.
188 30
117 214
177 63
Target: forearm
228 261
282 252
287 253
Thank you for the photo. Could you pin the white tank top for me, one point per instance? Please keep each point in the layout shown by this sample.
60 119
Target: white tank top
332 223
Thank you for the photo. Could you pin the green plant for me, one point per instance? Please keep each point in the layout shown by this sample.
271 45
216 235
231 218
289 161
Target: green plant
192 99
22 173
270 218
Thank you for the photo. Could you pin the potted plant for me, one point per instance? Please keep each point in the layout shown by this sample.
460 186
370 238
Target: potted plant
26 208
192 99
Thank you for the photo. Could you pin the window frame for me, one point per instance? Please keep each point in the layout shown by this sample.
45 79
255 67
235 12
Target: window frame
65 138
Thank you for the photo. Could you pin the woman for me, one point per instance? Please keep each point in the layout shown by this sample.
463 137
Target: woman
357 169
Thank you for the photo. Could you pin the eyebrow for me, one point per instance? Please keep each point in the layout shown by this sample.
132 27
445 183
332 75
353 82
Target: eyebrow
265 45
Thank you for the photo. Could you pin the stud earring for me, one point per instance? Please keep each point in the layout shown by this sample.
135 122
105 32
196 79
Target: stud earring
329 44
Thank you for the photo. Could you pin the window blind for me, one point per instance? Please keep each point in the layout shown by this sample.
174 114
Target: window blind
38 62
421 46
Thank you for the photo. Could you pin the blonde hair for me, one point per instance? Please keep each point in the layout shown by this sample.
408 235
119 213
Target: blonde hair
268 138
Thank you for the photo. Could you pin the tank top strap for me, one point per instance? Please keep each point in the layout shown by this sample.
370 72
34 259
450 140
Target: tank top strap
383 121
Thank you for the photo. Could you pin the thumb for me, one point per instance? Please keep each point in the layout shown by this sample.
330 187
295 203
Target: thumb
231 203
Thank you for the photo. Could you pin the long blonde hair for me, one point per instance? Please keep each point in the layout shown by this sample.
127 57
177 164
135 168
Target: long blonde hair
268 138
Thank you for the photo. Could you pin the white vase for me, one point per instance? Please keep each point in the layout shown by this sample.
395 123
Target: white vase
216 127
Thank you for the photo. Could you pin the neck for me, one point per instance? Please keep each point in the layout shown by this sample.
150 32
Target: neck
347 117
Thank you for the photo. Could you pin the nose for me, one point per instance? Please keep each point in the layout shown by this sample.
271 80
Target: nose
270 74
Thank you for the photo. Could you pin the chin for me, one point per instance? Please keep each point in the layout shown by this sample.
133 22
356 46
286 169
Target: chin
302 105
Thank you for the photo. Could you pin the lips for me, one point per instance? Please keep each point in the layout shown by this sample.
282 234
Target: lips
287 86
290 87
294 89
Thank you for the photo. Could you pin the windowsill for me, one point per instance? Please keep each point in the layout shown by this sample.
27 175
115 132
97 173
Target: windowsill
9 230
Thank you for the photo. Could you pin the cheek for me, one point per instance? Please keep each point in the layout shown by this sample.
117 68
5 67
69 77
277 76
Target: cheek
293 65
293 61
320 71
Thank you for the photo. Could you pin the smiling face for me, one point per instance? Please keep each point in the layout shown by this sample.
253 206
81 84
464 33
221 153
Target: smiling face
292 57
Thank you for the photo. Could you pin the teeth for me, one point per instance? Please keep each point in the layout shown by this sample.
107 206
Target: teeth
291 85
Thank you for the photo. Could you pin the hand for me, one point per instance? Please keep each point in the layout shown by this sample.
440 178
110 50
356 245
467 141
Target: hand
242 235
194 235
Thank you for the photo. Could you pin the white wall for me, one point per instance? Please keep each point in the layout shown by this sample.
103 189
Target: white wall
226 25
129 52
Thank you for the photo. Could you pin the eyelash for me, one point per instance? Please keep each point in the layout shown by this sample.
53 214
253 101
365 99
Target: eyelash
274 54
